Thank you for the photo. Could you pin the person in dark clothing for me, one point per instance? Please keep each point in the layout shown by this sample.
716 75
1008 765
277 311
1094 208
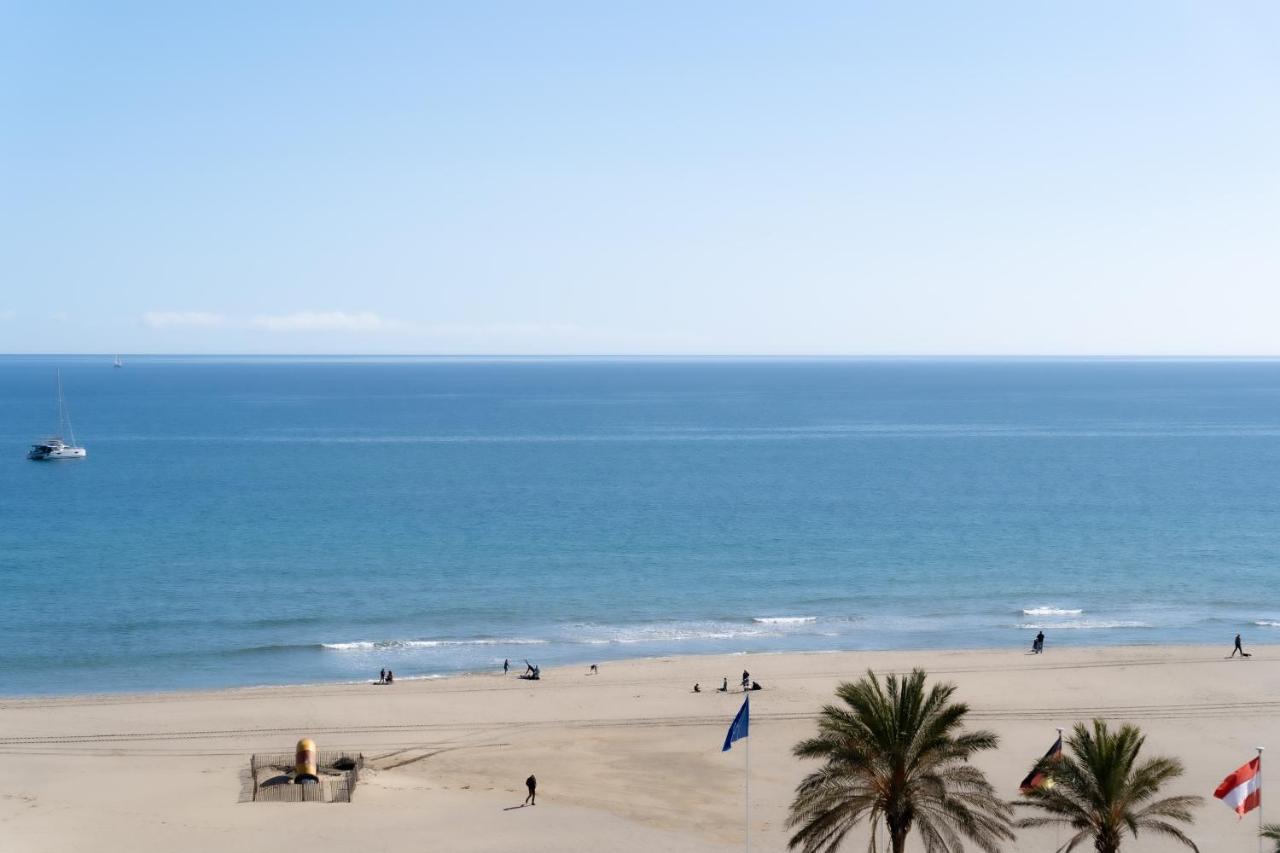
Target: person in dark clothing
382 676
724 687
391 677
746 679
697 688
506 666
1038 645
532 784
755 685
1239 648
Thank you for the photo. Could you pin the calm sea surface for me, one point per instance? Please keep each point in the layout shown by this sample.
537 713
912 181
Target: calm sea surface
270 521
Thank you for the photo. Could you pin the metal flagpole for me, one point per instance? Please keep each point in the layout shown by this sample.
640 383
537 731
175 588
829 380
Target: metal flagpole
1057 827
747 787
1260 842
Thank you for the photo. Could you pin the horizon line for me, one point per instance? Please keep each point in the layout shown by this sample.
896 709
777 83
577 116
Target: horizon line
677 355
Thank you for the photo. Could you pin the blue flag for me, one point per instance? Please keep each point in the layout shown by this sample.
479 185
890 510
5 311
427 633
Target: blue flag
738 728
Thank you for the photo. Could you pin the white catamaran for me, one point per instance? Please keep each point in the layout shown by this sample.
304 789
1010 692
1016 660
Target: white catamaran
56 448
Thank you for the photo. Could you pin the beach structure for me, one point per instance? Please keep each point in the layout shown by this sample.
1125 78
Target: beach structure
306 776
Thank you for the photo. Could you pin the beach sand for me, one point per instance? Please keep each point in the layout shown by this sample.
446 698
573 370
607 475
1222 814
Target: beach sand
627 760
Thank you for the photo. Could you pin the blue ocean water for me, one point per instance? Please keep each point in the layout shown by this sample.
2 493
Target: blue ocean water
275 520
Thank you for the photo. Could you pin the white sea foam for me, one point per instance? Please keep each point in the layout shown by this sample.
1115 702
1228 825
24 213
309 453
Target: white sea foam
677 634
1267 623
391 645
1050 611
665 632
784 620
1084 625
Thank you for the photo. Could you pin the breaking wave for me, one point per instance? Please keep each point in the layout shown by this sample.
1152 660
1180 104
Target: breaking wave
391 645
784 620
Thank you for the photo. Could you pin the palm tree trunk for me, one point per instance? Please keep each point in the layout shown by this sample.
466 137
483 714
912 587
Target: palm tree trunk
1107 842
898 839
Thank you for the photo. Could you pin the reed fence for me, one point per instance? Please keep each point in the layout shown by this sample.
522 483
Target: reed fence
339 774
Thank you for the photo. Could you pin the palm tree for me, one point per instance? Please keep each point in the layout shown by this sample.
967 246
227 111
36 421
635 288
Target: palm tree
1271 832
1101 791
896 755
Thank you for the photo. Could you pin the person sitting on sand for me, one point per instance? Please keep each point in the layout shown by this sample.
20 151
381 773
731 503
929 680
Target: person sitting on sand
697 688
755 685
595 670
532 784
391 677
724 688
1239 648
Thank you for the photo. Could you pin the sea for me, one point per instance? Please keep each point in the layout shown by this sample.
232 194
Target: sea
271 521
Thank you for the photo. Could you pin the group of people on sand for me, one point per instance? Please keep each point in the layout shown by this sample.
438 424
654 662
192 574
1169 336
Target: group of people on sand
532 672
747 684
1037 648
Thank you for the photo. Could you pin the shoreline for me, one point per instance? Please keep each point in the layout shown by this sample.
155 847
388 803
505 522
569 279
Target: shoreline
310 687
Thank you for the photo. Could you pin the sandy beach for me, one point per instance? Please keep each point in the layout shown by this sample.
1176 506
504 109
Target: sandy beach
628 759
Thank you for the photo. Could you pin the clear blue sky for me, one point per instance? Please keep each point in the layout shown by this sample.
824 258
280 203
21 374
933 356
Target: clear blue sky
640 177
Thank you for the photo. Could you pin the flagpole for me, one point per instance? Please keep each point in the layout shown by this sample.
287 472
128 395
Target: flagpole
747 787
740 729
1260 842
1057 827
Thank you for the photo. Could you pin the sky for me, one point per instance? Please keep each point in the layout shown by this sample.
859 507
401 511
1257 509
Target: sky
643 178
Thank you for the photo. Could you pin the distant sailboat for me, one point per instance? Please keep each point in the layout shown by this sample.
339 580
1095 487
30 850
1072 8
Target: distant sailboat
56 448
117 362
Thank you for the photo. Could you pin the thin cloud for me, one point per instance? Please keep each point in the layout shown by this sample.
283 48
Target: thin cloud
321 321
175 319
500 329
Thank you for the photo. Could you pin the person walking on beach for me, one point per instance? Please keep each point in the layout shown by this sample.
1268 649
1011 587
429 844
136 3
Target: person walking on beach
1239 648
506 665
724 685
746 680
532 784
1038 645
382 676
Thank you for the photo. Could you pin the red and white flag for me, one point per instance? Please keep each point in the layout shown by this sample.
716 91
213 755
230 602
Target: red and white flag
1242 790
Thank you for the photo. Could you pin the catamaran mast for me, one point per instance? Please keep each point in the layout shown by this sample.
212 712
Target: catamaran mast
64 417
